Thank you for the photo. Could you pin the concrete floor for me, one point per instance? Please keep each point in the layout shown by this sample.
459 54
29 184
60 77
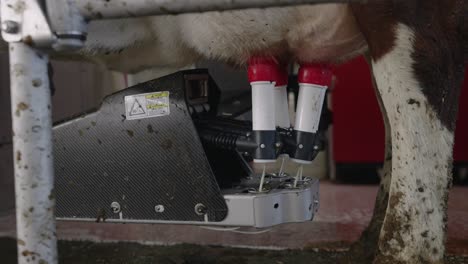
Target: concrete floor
344 213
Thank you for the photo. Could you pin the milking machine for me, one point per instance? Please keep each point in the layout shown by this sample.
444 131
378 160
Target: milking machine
165 151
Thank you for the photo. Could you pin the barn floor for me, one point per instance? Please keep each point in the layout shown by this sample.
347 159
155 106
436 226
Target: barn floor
90 253
126 253
344 213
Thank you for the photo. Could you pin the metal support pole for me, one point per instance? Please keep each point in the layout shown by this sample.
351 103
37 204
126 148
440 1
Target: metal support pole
92 9
32 141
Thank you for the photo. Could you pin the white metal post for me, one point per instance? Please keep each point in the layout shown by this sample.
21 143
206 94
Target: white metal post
33 162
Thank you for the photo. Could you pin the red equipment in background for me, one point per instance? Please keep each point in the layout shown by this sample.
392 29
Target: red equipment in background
358 130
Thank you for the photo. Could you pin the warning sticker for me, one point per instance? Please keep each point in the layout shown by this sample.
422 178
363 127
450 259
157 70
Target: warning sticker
147 105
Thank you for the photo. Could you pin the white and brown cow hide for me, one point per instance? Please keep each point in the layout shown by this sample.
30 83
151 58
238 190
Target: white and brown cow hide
305 33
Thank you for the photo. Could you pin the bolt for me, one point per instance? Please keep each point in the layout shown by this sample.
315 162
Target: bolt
200 209
248 134
262 146
301 146
159 208
10 27
316 147
115 207
278 144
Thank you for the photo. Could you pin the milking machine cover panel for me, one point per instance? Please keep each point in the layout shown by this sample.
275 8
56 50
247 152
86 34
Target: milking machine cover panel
137 158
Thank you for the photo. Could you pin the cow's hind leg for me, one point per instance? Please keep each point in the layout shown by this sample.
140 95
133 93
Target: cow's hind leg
364 250
419 88
418 65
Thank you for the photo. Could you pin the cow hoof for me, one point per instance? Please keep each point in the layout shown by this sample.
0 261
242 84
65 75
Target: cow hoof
383 259
358 254
364 250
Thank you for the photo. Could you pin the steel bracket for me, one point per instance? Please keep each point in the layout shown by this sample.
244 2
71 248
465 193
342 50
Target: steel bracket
25 21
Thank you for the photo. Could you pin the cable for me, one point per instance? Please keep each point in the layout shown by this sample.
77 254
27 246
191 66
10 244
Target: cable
222 229
260 189
298 175
281 170
235 230
252 232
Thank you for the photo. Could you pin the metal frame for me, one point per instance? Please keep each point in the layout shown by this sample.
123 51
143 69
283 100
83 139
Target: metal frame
275 207
92 9
31 31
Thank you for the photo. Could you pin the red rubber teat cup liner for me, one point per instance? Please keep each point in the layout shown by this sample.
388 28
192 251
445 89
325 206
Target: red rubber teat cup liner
262 69
319 74
263 73
314 80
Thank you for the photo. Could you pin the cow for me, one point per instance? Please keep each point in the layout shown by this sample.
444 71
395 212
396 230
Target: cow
417 50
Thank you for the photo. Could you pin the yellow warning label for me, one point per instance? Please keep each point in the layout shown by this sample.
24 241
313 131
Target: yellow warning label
156 106
147 105
157 95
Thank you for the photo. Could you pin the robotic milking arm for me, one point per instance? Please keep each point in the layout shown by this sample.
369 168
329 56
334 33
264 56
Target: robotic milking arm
270 111
143 165
187 147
